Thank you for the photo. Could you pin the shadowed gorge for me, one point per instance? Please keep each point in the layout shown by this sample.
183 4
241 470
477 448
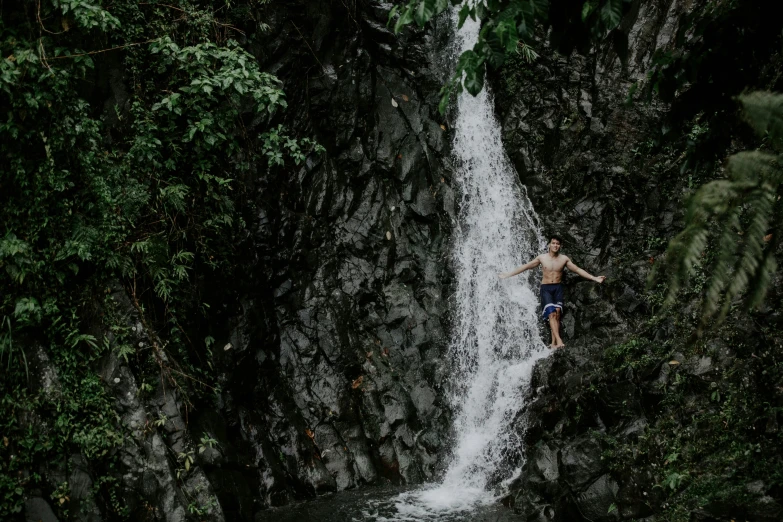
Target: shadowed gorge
248 269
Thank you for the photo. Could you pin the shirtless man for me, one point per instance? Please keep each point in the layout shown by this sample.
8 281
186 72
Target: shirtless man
553 264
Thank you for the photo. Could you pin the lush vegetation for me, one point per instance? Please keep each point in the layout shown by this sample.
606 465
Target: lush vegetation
130 139
732 44
713 442
511 26
747 209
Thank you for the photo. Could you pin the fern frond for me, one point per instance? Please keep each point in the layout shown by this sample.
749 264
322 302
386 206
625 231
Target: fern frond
714 198
760 284
721 270
764 112
683 253
754 167
760 208
740 210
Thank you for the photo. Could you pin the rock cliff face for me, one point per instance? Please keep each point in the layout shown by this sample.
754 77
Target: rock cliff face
631 381
579 147
339 384
332 368
574 142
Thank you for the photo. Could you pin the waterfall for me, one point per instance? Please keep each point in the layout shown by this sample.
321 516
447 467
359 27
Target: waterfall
496 340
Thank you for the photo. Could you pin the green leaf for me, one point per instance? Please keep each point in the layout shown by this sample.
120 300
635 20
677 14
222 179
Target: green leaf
391 15
587 8
474 80
424 11
445 95
480 10
464 12
612 13
506 32
26 306
406 17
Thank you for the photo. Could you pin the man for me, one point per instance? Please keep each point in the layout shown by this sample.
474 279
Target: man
553 265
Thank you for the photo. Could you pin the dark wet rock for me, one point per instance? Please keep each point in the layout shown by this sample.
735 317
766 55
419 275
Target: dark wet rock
37 509
581 462
699 366
619 401
628 301
765 508
637 493
543 463
81 497
597 501
46 373
342 386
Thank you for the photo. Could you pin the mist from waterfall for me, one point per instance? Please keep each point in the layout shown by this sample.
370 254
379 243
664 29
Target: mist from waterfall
496 340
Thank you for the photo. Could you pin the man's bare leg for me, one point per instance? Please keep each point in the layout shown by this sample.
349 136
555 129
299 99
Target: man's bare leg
554 325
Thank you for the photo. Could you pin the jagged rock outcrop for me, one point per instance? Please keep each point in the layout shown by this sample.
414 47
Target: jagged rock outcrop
598 177
152 477
337 385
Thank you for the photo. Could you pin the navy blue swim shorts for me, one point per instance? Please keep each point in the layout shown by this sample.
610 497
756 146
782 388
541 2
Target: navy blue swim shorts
551 298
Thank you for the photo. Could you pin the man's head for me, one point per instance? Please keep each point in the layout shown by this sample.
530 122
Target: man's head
554 244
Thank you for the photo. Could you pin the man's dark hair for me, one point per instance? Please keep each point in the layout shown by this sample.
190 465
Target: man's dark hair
558 238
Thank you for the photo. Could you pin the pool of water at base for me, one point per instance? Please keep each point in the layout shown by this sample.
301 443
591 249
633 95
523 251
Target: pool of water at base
379 504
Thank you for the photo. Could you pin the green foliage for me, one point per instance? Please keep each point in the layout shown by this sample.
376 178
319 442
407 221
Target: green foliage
23 443
195 508
206 442
673 480
143 189
7 346
161 420
709 435
86 14
116 499
742 214
636 353
508 27
276 143
186 458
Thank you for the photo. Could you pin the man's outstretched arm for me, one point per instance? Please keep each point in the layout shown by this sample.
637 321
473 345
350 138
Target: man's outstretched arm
572 267
527 266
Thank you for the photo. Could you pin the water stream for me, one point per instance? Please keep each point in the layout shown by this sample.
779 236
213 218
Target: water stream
495 342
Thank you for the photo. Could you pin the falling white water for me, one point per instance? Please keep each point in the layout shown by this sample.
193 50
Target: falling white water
496 339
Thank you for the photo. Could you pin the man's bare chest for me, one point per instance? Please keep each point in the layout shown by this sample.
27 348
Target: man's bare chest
549 264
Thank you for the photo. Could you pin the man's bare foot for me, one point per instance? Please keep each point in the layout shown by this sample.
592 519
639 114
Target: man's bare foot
561 345
552 345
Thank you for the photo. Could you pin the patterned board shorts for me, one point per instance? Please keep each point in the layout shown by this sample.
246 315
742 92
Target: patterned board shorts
551 298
